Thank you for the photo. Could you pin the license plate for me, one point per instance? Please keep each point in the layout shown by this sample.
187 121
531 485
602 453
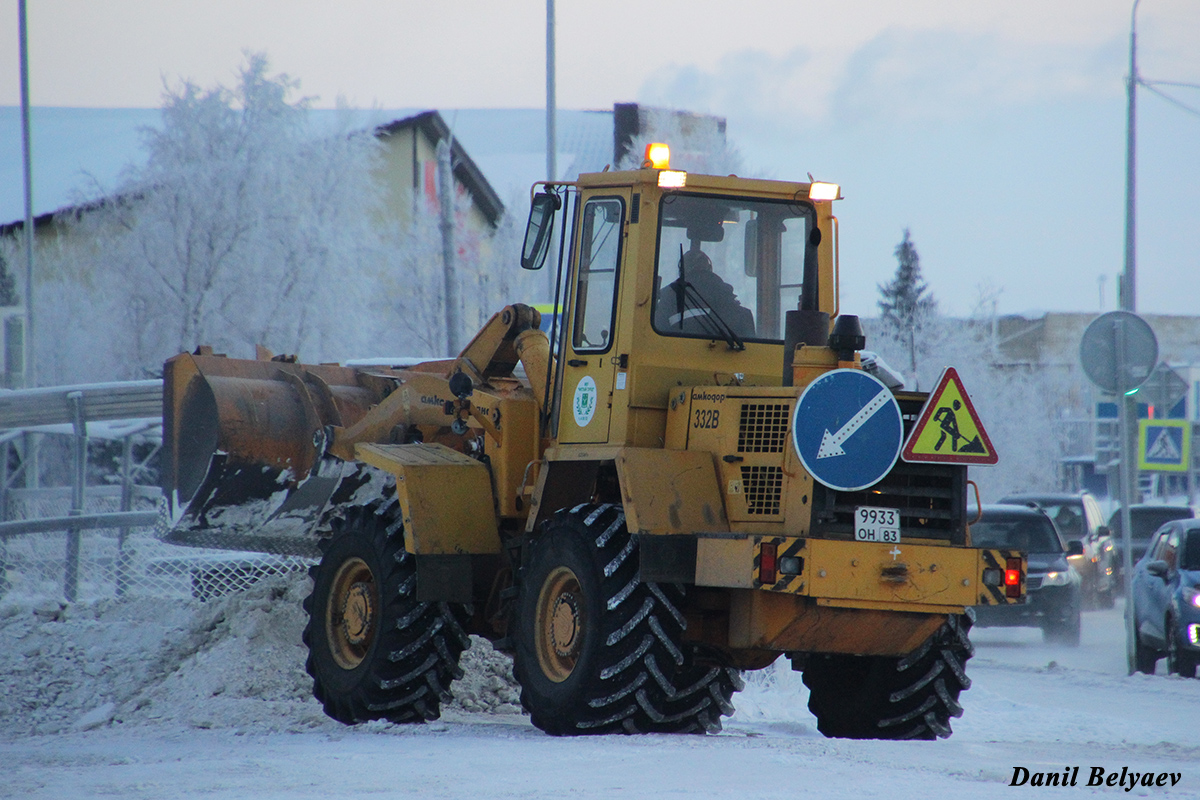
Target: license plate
876 524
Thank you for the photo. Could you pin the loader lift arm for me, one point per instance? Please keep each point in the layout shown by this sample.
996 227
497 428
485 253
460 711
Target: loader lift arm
509 337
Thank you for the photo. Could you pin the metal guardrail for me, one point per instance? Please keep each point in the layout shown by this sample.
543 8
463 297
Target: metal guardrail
96 402
114 519
76 406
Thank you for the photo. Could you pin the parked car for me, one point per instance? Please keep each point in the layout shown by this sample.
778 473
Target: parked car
1144 521
1078 519
1166 600
1053 587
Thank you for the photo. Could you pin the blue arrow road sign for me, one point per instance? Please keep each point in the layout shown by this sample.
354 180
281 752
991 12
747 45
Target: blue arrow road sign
847 429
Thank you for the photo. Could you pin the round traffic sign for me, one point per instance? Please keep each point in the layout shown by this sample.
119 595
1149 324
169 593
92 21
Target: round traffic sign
847 429
1106 364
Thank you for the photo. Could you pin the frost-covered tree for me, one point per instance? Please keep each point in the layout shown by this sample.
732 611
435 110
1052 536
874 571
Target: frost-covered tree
241 228
8 285
906 304
1019 406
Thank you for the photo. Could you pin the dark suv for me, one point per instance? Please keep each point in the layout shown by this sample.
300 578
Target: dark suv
1051 584
1078 519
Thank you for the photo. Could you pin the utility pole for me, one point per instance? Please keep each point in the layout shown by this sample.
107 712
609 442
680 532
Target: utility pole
1128 286
1127 289
31 440
446 223
551 122
30 378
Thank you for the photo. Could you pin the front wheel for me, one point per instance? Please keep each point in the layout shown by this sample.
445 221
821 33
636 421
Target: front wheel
1179 662
1145 658
374 651
882 697
597 650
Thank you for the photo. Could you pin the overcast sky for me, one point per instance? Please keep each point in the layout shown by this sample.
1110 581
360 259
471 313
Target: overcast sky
994 129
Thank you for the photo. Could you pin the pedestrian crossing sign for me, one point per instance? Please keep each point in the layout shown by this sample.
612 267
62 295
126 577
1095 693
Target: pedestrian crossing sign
1163 444
948 430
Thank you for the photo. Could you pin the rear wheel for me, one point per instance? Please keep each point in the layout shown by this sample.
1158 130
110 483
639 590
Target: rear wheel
1063 631
881 697
374 651
1179 662
597 650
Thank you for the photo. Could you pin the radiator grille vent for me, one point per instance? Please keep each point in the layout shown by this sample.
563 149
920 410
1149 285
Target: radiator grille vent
763 428
763 487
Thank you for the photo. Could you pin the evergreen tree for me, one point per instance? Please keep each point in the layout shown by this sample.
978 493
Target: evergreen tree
906 304
8 285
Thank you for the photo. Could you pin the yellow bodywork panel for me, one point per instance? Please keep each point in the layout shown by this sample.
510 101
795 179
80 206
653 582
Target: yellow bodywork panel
788 622
866 575
445 497
723 560
900 574
670 491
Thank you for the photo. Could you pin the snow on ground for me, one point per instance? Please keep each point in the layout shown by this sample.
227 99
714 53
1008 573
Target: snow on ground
158 699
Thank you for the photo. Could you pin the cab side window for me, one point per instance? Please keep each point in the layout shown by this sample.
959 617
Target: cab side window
599 257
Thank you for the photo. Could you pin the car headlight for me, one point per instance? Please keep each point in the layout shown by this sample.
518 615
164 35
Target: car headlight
1191 596
1056 579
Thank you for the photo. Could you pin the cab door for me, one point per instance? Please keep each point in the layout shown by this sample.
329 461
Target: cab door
588 368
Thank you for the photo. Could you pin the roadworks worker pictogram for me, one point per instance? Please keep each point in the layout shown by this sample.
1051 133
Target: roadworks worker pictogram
948 430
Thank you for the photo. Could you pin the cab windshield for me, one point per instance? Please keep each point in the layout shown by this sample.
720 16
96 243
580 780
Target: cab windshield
730 266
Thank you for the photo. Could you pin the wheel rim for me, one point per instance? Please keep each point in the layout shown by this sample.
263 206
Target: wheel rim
560 624
350 614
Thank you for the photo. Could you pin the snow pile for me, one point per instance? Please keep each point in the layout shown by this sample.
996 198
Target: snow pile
233 662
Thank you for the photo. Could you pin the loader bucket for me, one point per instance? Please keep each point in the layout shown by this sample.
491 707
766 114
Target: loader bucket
244 444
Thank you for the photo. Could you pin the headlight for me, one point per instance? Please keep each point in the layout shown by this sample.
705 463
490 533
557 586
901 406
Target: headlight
1056 579
1191 596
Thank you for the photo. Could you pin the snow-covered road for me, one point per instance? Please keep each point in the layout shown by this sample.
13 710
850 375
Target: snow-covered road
1039 707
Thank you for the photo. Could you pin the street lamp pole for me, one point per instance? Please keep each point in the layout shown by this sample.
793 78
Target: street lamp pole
551 118
1128 299
30 377
1128 288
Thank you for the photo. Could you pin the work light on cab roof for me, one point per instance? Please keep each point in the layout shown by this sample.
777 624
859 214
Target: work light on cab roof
658 156
819 190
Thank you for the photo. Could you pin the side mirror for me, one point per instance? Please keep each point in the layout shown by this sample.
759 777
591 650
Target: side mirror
1104 530
538 230
1075 548
1158 568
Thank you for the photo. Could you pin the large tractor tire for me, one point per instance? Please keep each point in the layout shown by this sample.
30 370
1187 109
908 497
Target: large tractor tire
598 651
374 651
881 697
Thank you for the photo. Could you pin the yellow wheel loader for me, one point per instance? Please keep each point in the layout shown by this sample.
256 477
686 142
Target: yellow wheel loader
690 476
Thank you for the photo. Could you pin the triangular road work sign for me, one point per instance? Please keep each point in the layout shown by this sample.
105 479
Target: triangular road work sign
948 431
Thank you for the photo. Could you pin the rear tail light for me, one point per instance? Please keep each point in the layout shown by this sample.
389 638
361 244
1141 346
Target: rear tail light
766 562
1012 578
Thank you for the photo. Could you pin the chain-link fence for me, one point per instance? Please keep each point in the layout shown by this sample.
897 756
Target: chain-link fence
79 496
118 562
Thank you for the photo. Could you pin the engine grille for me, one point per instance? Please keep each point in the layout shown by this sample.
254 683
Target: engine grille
763 427
763 487
930 498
